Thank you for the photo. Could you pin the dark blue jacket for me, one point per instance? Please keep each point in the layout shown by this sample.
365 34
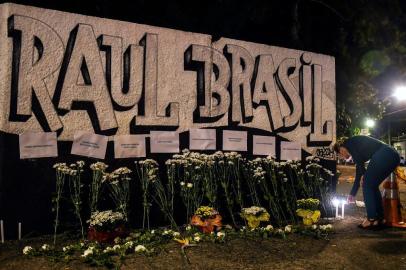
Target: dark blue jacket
361 149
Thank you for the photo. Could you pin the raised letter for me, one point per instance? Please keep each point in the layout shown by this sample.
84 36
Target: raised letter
292 93
152 117
41 55
125 79
85 65
321 132
242 66
265 90
213 85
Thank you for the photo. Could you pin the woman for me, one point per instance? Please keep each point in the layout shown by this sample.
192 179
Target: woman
383 160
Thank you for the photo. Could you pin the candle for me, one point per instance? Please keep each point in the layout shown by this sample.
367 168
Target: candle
342 210
19 230
337 211
2 231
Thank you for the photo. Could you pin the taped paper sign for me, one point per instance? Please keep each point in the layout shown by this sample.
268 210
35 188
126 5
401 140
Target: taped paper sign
202 139
128 146
89 145
234 140
291 151
164 142
263 146
38 145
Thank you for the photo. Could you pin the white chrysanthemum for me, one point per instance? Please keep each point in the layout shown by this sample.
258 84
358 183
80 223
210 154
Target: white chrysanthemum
88 252
269 227
45 247
140 248
27 250
288 228
221 234
196 238
189 185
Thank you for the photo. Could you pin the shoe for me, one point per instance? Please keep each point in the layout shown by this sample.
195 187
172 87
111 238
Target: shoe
370 224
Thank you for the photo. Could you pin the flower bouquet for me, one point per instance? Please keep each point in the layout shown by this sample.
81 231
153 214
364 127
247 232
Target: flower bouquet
308 210
105 226
207 219
254 215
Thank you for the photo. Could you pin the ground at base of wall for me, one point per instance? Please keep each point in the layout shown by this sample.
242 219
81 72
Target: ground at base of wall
348 248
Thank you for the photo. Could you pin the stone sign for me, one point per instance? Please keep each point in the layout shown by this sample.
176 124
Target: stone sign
66 72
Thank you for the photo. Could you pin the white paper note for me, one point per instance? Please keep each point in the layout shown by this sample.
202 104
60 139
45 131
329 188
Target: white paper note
89 145
234 140
38 145
164 142
202 139
128 146
291 151
263 146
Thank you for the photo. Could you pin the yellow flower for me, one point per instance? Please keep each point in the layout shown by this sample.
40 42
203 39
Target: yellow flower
254 221
309 217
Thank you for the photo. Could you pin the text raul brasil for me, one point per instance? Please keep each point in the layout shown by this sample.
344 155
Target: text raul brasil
104 76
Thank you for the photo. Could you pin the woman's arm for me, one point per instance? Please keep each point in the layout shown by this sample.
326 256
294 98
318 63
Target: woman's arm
360 171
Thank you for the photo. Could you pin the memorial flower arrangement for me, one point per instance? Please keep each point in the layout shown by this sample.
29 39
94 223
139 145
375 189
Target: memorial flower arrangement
61 170
98 170
308 211
118 182
105 226
75 188
147 171
207 219
254 215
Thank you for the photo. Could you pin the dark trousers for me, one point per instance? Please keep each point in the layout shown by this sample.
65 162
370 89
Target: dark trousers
381 165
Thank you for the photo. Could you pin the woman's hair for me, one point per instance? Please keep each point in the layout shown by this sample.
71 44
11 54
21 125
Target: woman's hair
339 143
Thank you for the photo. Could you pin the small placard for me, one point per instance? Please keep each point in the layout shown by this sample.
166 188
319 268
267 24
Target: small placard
263 146
291 151
38 145
128 146
202 139
234 140
164 142
89 145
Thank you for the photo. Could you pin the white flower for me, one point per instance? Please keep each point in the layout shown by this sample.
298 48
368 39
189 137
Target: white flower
45 247
116 247
88 252
129 244
153 231
314 227
189 185
269 227
182 183
176 234
140 248
329 226
221 234
197 239
108 250
27 250
188 228
288 228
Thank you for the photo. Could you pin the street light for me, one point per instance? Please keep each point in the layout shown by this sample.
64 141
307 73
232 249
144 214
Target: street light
400 93
370 123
